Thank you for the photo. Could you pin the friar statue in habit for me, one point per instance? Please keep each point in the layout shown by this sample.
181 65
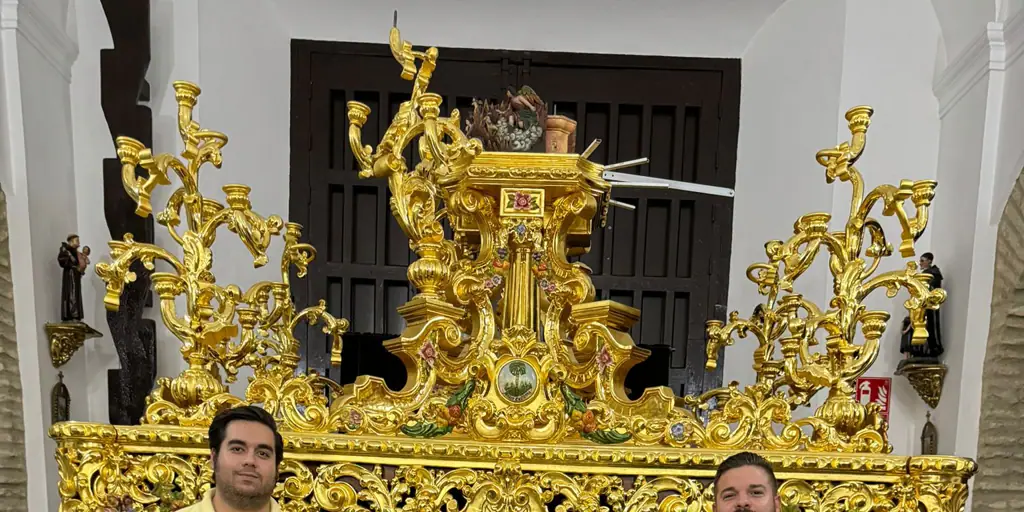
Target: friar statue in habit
71 281
933 347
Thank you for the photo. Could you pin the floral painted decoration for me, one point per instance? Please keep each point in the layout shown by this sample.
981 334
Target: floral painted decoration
585 422
604 359
355 419
520 201
498 267
428 353
448 416
541 271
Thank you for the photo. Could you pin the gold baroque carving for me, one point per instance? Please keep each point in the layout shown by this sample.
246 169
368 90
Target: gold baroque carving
66 338
476 171
175 470
927 379
515 373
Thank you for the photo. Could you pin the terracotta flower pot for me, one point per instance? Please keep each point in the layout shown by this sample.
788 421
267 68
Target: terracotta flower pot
559 135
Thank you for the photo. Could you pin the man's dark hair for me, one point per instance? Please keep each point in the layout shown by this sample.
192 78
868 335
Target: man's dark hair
219 426
71 237
928 256
747 459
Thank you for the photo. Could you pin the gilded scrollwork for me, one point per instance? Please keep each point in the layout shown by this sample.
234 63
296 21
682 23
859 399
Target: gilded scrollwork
66 338
515 396
174 470
790 324
222 327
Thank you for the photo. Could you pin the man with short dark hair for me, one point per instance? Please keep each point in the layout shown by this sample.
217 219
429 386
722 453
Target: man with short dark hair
245 450
745 482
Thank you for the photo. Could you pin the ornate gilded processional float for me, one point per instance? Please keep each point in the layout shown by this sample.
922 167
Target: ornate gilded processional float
514 397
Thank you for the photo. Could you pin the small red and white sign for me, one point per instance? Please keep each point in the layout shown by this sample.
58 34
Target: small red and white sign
875 390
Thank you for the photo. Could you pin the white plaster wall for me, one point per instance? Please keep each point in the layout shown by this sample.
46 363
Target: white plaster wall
50 165
789 99
806 80
1010 158
175 32
38 173
979 140
902 144
962 21
694 28
174 40
953 238
1001 144
92 145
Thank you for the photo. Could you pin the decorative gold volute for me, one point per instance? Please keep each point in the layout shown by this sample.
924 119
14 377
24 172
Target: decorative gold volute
222 327
66 338
515 374
796 323
539 320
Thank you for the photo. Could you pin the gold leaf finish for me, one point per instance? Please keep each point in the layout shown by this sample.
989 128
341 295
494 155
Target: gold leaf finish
926 378
222 327
66 338
169 465
515 396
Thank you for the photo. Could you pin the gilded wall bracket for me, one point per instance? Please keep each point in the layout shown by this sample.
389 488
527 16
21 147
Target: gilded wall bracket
66 338
927 376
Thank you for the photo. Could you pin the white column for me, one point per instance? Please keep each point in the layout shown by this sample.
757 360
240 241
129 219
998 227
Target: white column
980 152
37 176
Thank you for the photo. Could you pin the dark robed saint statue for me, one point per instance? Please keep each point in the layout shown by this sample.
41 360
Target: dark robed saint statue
933 347
71 281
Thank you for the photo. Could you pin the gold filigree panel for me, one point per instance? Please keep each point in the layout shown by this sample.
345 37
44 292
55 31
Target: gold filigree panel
169 467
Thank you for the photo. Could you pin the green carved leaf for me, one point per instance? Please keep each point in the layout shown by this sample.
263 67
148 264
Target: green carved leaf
461 395
607 436
425 430
572 401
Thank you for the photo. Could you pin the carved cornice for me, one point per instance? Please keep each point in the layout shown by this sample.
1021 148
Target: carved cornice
585 458
41 32
995 49
1013 37
962 74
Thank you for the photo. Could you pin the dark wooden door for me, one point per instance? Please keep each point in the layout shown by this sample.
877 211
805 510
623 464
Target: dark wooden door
669 257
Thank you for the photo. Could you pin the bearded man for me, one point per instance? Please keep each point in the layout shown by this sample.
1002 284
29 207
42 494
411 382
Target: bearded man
245 450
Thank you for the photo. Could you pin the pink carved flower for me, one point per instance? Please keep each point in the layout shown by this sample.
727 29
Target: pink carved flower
428 353
355 419
522 201
604 359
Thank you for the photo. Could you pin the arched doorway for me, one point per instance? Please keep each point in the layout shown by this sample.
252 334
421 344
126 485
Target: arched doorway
998 485
13 479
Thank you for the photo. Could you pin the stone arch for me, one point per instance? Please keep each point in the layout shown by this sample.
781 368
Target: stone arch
13 476
999 484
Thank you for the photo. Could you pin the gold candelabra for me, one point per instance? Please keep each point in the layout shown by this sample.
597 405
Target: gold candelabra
515 374
789 323
221 327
